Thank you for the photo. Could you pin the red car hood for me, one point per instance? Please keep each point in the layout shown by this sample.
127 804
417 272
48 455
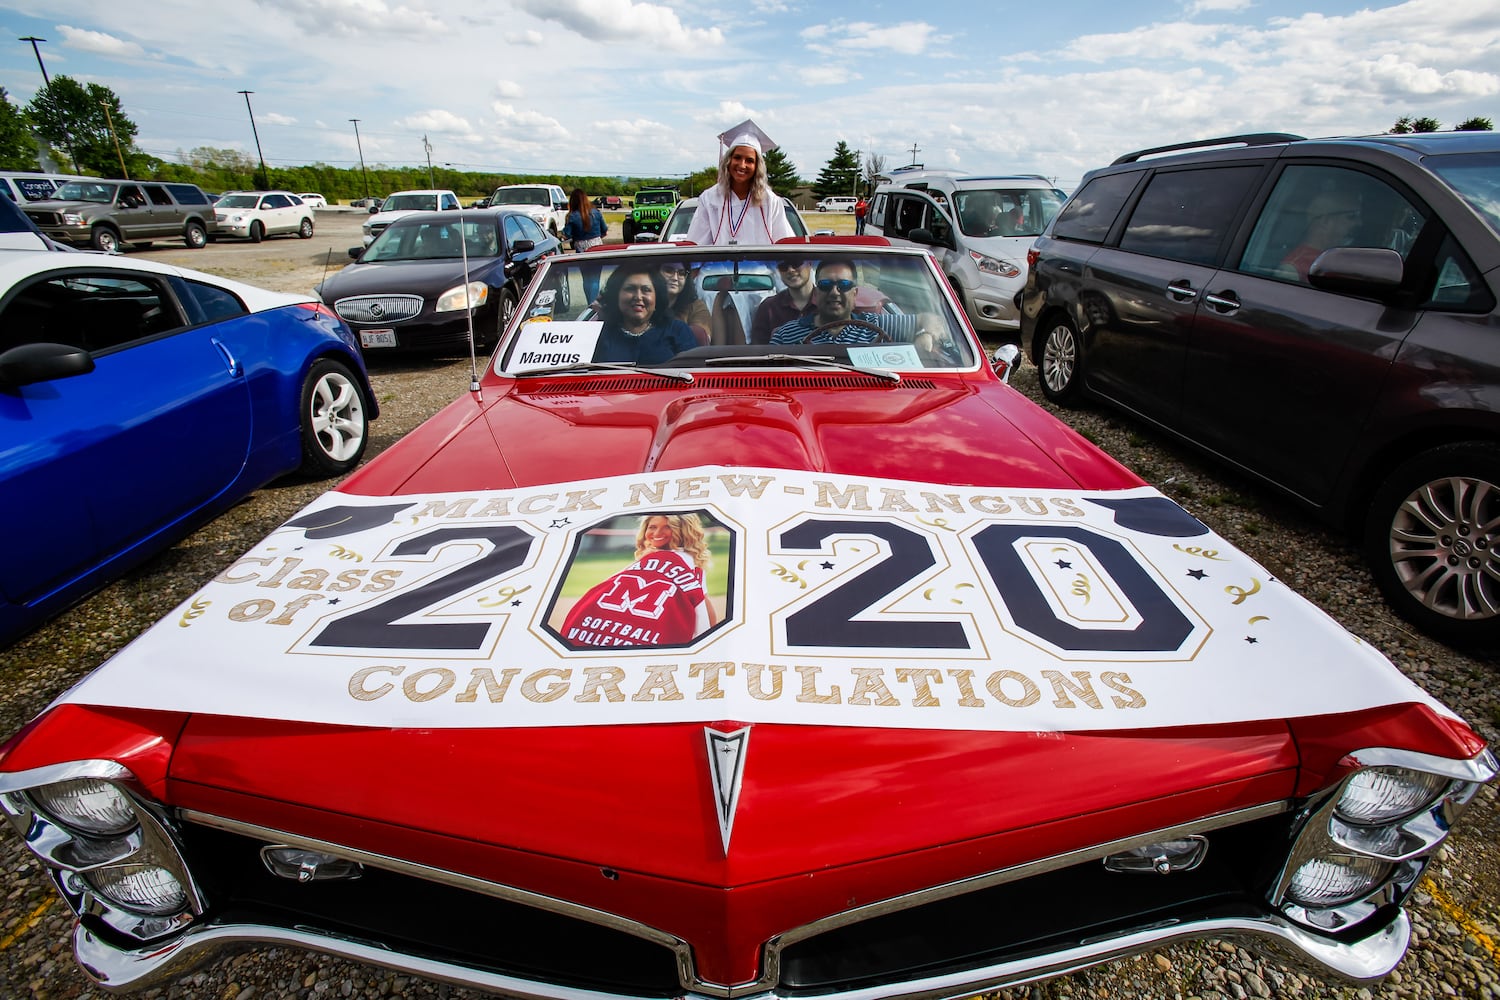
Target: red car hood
937 429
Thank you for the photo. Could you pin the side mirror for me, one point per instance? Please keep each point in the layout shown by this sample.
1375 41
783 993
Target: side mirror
354 252
523 246
374 209
32 363
1370 271
1005 360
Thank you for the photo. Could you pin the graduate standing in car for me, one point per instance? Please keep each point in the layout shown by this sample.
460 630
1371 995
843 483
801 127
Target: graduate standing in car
741 208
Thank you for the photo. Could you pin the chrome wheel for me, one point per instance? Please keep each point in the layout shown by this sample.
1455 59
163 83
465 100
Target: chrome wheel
1442 547
1430 538
1061 362
334 426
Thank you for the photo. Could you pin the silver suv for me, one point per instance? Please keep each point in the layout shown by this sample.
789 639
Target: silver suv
1320 314
104 214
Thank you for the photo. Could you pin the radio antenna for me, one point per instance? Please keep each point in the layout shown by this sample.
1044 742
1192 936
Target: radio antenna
463 243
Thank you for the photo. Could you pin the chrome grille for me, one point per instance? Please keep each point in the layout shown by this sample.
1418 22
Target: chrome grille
378 308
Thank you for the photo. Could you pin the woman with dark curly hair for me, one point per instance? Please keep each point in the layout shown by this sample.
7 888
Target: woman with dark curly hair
638 323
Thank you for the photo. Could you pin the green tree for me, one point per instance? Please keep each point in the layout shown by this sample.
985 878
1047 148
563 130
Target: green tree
70 116
781 172
840 175
17 147
699 181
1475 125
1426 125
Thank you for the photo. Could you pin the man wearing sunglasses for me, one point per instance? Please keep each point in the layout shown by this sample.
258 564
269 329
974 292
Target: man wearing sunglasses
835 320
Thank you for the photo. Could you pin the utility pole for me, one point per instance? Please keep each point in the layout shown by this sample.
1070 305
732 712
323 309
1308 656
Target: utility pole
264 175
431 180
915 149
854 188
361 149
110 119
47 82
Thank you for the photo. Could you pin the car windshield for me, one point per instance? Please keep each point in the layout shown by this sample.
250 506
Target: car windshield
1476 178
80 191
238 201
654 198
1006 211
712 308
522 196
410 203
439 239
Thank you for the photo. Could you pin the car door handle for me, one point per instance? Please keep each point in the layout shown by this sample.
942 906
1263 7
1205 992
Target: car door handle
1182 291
235 368
1222 302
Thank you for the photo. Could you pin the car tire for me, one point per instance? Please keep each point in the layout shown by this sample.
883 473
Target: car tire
335 428
195 236
257 232
105 239
627 229
305 231
1060 360
504 311
1431 539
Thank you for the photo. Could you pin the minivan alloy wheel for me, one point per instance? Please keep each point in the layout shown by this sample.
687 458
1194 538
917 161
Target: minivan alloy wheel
1061 361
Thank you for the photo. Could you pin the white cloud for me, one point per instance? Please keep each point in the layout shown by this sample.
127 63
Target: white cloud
530 37
624 20
508 89
99 42
436 120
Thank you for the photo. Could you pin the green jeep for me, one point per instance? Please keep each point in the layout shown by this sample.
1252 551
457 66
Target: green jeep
652 206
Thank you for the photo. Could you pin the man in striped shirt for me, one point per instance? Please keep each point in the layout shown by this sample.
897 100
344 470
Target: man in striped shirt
836 322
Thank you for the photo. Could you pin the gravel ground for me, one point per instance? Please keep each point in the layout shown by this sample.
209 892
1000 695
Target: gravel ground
1456 951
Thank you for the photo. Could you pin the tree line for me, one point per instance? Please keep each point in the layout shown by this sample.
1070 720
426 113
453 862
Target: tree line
84 128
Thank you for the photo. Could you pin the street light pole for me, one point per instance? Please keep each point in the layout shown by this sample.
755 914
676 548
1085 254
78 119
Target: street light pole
263 174
361 149
431 180
47 82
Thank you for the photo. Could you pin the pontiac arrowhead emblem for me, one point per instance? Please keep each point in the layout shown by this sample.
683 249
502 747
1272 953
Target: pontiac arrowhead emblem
726 766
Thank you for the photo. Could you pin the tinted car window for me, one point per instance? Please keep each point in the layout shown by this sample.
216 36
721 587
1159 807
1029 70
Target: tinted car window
157 195
530 230
1186 214
207 303
34 189
277 201
188 194
95 312
1091 213
131 197
1316 207
1457 284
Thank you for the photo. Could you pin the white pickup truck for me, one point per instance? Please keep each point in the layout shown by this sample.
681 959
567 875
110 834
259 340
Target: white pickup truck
404 203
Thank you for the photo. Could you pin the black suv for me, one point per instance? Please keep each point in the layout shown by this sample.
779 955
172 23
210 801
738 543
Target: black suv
1320 314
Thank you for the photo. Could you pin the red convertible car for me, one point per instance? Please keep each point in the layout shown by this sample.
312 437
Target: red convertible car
668 664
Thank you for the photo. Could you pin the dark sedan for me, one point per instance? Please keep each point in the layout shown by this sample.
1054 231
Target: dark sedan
408 290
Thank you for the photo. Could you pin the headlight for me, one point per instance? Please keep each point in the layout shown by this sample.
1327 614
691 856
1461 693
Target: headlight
992 265
86 805
1382 794
142 888
453 298
70 219
1333 879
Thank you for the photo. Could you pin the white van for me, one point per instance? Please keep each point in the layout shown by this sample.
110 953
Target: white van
837 204
978 227
24 186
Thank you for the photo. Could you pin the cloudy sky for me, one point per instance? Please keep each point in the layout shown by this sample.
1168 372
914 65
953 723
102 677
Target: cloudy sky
642 87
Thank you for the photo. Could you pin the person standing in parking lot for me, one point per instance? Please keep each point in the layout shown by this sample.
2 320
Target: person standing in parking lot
859 216
740 207
585 227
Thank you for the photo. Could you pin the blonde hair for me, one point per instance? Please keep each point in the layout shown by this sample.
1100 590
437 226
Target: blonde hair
687 534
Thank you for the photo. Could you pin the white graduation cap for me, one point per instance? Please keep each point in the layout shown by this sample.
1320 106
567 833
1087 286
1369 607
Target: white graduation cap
747 133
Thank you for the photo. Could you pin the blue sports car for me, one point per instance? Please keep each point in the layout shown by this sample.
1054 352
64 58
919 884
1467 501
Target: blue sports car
138 401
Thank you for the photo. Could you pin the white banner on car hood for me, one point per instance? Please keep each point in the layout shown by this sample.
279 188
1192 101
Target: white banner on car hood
758 595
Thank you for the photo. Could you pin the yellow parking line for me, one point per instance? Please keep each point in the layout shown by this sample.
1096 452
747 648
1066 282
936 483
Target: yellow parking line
31 921
1461 917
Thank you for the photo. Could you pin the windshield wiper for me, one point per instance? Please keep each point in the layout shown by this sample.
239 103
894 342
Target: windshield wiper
604 366
820 360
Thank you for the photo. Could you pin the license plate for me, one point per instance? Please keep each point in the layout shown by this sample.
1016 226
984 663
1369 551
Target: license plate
377 338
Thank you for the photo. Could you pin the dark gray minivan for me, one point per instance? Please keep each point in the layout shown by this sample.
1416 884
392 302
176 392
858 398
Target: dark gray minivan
1321 314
